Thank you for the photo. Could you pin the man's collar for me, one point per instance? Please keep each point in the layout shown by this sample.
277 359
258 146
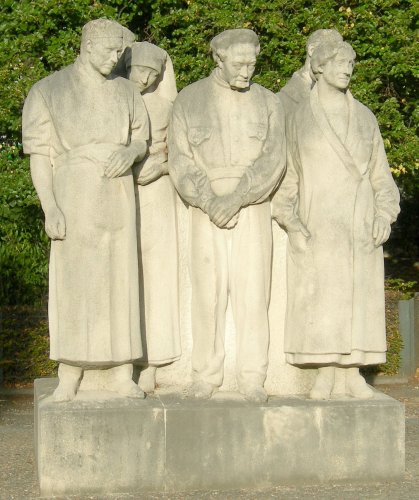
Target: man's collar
215 75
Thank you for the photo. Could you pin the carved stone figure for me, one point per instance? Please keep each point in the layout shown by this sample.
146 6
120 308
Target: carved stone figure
226 155
337 202
302 81
83 132
150 68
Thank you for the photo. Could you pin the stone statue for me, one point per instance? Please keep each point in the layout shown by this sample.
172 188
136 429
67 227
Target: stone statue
150 68
83 132
337 202
302 81
128 38
226 155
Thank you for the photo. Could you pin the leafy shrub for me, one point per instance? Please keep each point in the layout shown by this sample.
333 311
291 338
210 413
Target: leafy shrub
25 342
24 245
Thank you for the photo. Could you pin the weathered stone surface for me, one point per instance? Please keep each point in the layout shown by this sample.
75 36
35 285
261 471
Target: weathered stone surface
170 444
98 443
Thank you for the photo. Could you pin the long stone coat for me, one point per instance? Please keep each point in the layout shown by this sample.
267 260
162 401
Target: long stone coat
335 309
77 121
158 246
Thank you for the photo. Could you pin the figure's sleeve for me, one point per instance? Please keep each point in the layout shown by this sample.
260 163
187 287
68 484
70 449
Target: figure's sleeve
386 194
285 201
140 130
190 181
36 124
264 175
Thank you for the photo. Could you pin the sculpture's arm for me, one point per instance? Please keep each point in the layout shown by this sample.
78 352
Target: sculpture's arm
386 194
37 130
190 181
41 172
261 178
123 159
265 174
285 201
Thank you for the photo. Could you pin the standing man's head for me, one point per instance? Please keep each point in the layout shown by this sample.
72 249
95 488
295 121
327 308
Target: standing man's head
235 52
101 45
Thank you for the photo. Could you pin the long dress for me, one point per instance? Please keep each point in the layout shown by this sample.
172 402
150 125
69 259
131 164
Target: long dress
77 121
158 247
335 279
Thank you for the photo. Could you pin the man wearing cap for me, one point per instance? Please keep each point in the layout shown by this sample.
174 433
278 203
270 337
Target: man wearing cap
83 131
226 155
302 81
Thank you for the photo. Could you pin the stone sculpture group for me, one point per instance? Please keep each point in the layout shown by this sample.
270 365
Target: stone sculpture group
112 147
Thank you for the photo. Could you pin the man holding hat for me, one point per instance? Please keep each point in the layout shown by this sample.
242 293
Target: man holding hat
226 155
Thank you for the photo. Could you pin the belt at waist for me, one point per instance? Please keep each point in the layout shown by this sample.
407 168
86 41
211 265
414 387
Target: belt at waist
95 153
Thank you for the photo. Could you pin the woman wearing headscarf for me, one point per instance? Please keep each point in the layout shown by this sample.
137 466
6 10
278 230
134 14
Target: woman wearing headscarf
151 69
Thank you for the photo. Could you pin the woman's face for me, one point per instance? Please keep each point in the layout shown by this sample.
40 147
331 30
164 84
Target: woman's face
143 76
337 72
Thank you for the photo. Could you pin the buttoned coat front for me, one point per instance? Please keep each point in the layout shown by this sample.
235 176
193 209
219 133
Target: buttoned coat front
224 141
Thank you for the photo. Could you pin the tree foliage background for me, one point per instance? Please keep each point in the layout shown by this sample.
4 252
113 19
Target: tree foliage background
41 36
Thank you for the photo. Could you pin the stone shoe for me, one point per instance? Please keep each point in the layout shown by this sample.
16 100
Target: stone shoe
202 390
256 394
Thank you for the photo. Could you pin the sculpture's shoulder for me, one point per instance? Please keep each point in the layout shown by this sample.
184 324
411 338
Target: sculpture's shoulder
120 81
296 89
364 113
194 93
53 81
265 93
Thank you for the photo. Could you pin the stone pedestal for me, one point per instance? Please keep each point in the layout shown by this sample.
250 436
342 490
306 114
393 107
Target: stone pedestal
102 444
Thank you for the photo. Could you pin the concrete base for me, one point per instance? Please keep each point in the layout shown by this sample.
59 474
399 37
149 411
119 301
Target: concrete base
164 443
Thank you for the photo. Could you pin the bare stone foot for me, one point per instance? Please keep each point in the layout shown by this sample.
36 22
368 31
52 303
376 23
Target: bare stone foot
256 394
65 392
122 382
127 388
323 384
69 379
202 390
356 385
147 380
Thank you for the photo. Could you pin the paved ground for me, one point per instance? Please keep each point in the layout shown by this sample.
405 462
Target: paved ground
17 461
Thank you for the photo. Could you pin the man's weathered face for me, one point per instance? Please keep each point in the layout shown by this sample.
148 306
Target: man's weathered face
104 53
143 76
337 72
238 65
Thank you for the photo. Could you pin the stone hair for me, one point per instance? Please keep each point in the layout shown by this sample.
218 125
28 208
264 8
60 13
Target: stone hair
324 35
220 43
327 51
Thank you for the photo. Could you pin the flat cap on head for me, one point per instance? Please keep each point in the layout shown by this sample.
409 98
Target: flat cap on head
101 28
232 37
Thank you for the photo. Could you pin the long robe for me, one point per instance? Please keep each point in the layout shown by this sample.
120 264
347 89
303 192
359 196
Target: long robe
158 246
77 120
335 308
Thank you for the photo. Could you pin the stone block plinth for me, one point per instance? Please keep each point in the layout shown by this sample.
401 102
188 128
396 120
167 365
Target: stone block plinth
165 443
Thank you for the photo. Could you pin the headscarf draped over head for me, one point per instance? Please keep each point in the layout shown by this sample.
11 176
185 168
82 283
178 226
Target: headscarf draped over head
146 54
151 56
